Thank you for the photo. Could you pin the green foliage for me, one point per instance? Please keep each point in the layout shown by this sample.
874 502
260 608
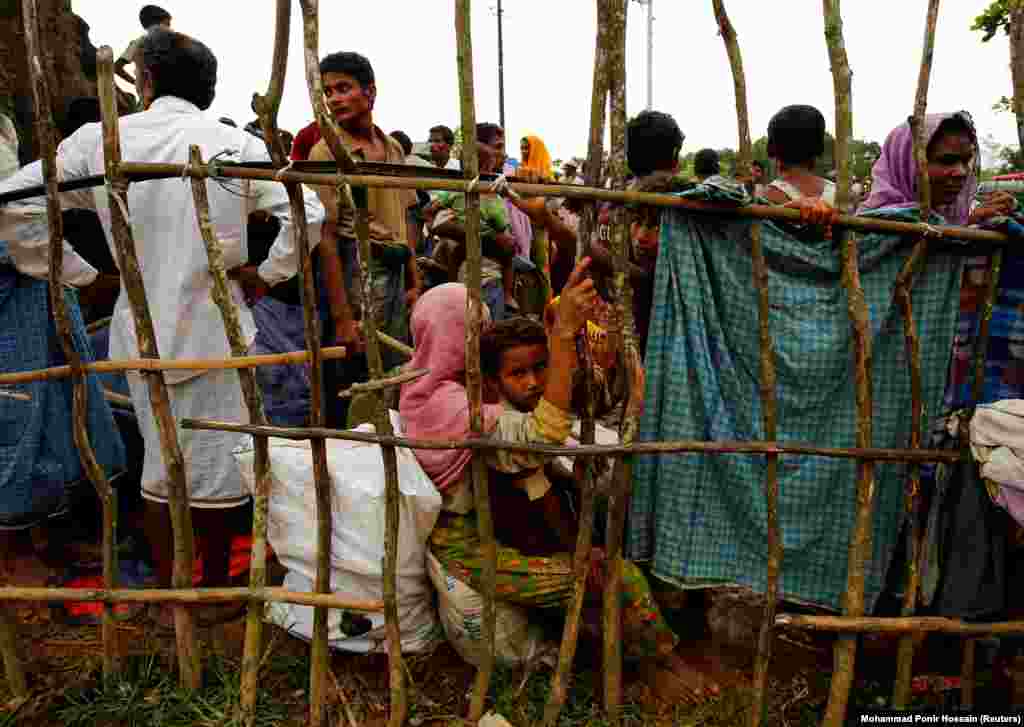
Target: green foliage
995 17
1006 158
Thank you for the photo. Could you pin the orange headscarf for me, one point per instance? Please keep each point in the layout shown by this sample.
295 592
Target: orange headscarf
539 159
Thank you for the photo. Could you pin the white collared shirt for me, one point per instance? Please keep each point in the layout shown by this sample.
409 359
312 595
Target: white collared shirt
170 249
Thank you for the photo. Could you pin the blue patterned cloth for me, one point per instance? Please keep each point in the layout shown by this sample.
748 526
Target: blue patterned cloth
701 519
38 456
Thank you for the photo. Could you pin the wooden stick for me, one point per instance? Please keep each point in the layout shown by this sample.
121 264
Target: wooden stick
615 80
181 364
9 652
860 543
758 712
1016 33
266 108
474 379
744 156
904 285
319 657
765 212
967 674
131 277
16 395
253 396
190 595
329 129
384 383
595 142
595 450
395 345
58 303
894 625
382 422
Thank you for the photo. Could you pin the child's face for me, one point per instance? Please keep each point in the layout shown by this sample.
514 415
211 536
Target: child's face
523 375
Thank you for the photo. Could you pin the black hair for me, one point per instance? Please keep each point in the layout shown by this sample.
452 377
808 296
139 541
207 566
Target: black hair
402 138
506 334
447 134
653 142
152 15
796 135
80 111
228 121
180 66
705 163
486 132
351 64
763 166
958 123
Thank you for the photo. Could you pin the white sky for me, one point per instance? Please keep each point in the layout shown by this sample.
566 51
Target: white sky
549 51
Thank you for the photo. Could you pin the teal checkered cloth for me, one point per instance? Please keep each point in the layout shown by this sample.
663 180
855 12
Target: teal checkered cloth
701 519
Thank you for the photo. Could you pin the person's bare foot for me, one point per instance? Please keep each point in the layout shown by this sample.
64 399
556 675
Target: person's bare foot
675 680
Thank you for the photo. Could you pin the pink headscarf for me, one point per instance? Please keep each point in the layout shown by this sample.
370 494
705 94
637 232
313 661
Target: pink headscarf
436 405
894 176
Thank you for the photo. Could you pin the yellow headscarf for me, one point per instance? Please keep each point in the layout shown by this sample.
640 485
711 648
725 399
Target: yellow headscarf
539 159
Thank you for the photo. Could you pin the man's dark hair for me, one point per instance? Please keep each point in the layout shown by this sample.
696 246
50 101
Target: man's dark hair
506 334
653 142
180 66
447 134
351 64
760 165
80 111
486 132
151 15
705 163
796 135
402 138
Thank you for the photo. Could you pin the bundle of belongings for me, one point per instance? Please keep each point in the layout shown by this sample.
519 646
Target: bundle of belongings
997 444
701 518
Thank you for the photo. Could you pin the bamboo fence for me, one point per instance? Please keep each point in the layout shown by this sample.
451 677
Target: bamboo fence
352 180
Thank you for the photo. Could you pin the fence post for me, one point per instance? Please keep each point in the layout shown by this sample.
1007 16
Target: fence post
745 153
904 286
48 154
769 415
254 403
474 325
860 542
131 277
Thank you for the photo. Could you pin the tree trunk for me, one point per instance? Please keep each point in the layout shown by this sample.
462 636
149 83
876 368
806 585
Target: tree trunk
1017 67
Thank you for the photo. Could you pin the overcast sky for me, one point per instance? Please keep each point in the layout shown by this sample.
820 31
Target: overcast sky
549 51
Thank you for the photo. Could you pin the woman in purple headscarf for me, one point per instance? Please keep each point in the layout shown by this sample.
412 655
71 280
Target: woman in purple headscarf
953 162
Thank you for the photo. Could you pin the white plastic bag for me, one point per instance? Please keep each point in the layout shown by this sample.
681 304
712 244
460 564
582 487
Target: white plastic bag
357 535
516 641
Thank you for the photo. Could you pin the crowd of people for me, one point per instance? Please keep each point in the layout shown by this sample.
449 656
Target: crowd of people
540 290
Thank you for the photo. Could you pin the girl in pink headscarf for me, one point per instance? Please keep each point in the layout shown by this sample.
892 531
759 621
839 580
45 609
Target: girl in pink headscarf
436 407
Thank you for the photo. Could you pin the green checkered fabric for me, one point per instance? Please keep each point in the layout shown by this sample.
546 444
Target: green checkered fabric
701 519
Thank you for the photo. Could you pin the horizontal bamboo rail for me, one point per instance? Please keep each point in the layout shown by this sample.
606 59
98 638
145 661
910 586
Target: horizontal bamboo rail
181 364
591 450
897 624
191 595
779 214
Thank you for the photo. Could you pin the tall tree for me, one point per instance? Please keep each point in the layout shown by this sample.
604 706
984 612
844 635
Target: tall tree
1008 16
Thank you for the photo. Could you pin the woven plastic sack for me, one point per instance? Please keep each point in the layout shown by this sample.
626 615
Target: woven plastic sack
357 537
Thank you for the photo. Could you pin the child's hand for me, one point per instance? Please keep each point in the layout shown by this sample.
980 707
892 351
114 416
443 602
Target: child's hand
638 384
576 302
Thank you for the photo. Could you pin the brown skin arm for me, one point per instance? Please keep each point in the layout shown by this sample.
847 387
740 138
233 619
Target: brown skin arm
604 263
775 195
119 66
345 329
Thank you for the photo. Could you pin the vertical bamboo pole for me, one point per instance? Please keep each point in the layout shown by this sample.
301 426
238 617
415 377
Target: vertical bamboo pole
860 542
9 651
612 606
904 285
595 142
745 154
474 379
253 402
319 657
48 154
131 277
252 651
769 415
399 703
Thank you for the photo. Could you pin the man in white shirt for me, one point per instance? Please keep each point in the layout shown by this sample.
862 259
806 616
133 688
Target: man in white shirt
441 141
178 79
